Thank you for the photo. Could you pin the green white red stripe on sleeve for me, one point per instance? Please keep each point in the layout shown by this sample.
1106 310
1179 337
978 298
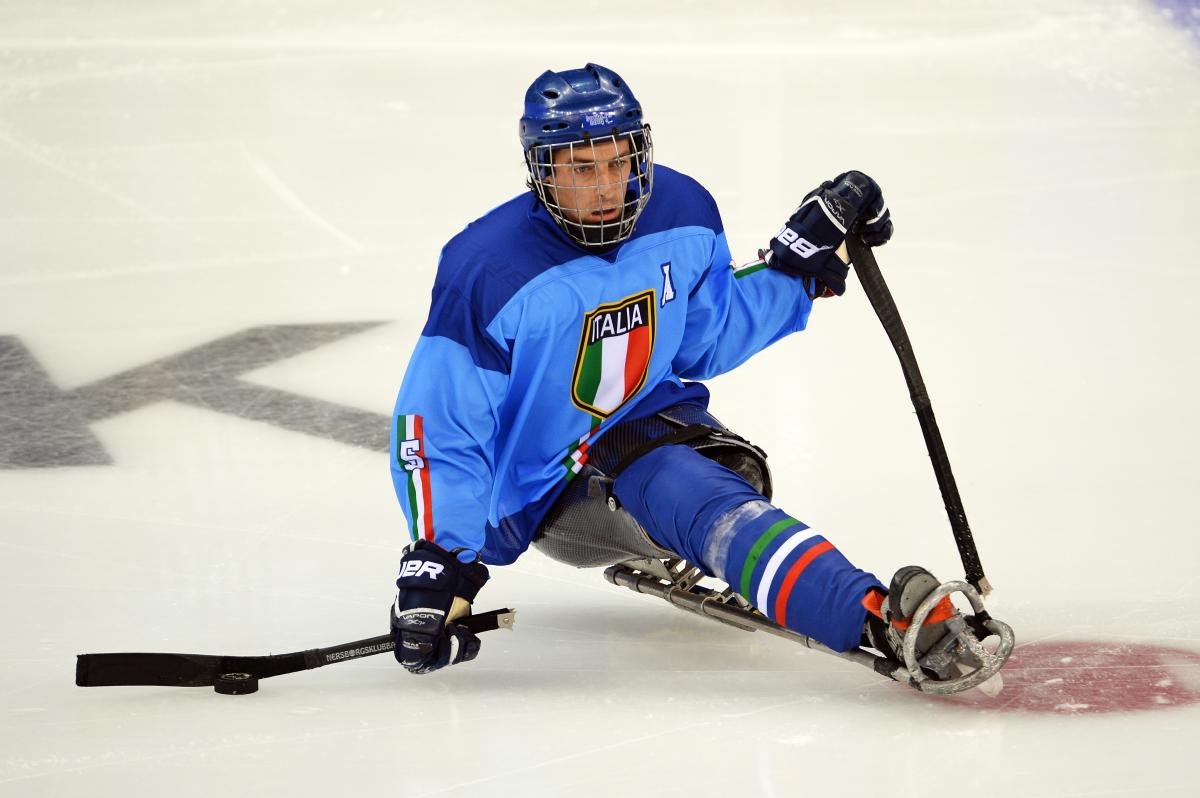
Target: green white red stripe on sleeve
410 454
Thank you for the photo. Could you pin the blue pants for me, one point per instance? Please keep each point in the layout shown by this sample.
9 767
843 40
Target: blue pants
712 518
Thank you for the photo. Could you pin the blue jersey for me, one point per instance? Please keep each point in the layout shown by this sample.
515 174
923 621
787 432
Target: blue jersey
535 347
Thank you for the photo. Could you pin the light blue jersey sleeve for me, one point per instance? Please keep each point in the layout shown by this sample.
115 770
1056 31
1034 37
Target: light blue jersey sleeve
732 314
446 420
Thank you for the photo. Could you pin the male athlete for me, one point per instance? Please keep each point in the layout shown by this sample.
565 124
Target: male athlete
553 397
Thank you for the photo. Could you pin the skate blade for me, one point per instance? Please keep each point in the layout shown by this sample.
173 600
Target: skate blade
990 687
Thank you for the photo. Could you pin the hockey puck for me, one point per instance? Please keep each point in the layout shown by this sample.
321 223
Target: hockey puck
236 684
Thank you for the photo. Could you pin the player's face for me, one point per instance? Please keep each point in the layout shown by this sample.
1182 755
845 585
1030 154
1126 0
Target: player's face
589 180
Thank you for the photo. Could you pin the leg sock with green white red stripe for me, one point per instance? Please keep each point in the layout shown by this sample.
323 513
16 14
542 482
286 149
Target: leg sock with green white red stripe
711 517
792 574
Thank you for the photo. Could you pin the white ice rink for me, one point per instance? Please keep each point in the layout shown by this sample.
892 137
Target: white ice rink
219 224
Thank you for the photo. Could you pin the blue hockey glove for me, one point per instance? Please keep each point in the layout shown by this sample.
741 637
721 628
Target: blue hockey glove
806 246
430 579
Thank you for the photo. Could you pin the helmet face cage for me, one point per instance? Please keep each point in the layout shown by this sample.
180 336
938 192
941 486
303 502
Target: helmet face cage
594 188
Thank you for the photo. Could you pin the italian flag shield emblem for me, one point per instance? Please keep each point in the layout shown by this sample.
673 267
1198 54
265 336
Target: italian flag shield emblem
614 354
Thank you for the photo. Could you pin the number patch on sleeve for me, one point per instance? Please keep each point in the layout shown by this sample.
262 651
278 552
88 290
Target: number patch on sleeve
411 456
409 452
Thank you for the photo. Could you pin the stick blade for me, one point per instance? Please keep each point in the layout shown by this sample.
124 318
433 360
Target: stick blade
165 670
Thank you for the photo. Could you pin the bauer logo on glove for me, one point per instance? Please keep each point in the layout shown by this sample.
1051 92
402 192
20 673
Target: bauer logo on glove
420 567
810 243
801 246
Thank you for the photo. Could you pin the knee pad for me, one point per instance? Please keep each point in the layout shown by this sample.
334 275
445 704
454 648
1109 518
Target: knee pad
581 530
678 495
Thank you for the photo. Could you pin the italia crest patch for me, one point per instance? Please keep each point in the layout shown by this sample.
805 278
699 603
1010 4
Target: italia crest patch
614 354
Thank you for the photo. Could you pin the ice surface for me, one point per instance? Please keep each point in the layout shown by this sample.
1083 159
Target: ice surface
176 175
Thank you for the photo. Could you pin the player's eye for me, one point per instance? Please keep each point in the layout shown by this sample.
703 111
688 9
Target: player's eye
583 168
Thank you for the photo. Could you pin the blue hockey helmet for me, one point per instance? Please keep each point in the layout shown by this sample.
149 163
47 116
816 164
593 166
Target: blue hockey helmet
579 110
561 107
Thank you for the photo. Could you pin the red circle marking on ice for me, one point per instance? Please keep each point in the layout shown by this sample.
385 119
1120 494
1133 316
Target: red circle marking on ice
1088 677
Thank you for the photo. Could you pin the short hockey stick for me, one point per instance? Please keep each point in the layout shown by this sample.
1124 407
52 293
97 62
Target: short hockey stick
233 674
877 292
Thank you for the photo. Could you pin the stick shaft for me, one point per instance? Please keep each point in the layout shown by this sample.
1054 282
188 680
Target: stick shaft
478 624
881 300
201 670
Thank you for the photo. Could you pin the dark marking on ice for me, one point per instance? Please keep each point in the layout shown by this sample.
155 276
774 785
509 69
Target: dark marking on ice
39 425
42 426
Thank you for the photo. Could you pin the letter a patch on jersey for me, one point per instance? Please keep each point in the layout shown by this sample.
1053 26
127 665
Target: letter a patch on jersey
410 454
614 354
